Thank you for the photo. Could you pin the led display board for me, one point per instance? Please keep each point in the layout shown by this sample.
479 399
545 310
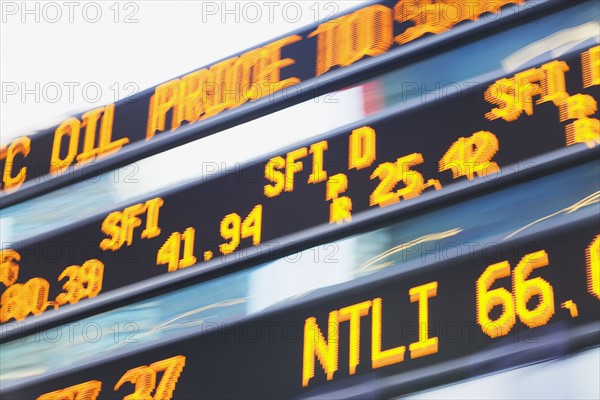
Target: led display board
503 304
379 162
398 238
281 73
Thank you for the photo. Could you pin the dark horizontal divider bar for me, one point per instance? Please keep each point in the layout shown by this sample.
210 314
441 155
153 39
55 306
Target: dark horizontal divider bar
395 157
392 329
301 240
132 120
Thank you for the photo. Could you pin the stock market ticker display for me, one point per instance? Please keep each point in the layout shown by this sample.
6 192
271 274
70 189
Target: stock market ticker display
377 163
262 72
476 309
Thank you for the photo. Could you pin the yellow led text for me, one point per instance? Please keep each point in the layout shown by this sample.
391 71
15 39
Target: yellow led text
425 345
514 303
223 86
592 255
84 391
340 208
318 174
84 281
472 155
362 148
169 253
119 225
20 299
391 174
347 39
144 379
326 350
370 31
515 95
70 129
234 229
21 146
9 267
583 129
282 171
590 61
429 16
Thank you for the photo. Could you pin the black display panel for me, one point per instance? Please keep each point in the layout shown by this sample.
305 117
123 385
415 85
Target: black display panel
501 305
382 161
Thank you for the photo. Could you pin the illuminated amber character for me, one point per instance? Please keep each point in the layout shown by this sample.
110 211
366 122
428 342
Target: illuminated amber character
524 289
316 345
427 17
326 350
340 208
234 229
170 250
553 85
438 16
273 174
20 146
592 256
391 174
317 150
425 345
281 172
472 155
515 95
20 300
590 61
487 299
572 307
502 93
222 86
381 358
67 129
293 166
9 267
362 148
144 379
70 130
583 129
83 282
353 314
84 391
120 225
514 303
349 38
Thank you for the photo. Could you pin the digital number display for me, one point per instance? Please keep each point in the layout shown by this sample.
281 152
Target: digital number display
228 84
379 163
144 379
481 307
